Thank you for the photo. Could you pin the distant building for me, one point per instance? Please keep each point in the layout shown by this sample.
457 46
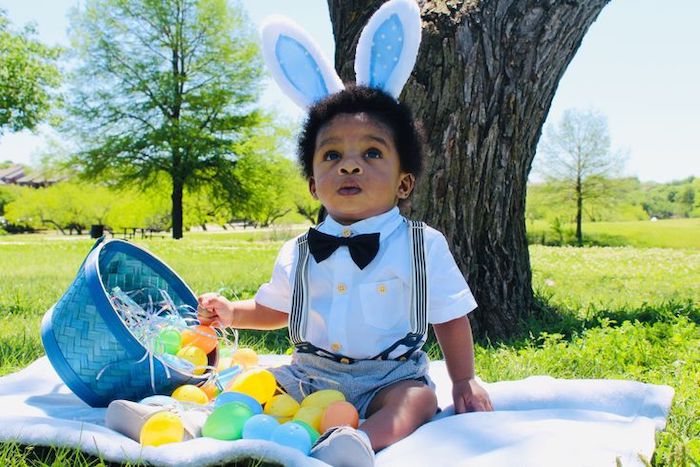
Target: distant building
11 174
15 175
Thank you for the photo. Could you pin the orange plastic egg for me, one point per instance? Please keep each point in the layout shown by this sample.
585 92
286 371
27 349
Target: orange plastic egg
200 336
245 357
339 413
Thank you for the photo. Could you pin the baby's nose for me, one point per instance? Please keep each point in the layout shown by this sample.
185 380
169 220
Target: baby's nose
350 166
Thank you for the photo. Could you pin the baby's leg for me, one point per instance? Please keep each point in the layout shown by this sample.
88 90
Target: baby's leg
397 411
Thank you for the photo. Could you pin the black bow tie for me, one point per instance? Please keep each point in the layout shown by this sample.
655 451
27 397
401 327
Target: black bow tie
363 248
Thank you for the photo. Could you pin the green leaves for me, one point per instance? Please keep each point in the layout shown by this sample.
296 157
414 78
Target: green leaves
28 73
164 87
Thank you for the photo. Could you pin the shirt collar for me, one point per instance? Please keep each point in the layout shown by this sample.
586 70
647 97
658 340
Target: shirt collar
384 223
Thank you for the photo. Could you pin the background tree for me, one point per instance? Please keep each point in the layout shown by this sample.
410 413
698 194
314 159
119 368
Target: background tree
163 87
576 153
486 74
28 73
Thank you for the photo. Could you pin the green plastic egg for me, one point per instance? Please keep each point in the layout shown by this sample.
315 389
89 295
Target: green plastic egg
226 421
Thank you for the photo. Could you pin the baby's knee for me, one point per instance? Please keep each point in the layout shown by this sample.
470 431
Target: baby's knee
425 399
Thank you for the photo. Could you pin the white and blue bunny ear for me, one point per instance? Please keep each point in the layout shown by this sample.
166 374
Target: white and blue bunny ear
296 62
388 45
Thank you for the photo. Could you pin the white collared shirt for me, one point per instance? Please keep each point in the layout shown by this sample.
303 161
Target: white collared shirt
361 312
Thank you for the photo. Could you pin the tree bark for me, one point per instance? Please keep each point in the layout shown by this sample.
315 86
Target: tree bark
485 77
579 210
176 198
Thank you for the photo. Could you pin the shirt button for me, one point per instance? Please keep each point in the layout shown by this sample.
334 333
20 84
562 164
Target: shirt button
381 288
347 232
335 347
342 288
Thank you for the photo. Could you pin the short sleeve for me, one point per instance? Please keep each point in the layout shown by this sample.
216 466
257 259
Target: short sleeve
277 293
449 294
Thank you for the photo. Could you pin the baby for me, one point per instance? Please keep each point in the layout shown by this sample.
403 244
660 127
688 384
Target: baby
358 291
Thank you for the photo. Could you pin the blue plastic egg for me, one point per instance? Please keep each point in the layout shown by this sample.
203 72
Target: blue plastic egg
232 396
260 426
292 435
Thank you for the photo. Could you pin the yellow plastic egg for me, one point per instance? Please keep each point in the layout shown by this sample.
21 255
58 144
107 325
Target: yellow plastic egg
162 428
247 358
196 356
311 415
282 406
322 398
258 383
190 393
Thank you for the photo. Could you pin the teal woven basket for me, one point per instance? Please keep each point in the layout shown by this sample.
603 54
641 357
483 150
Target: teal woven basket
86 340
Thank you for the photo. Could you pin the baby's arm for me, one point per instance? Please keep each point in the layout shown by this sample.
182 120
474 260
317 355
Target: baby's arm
456 342
218 311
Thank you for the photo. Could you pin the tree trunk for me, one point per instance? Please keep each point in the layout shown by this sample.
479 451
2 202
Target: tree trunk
482 86
176 198
579 210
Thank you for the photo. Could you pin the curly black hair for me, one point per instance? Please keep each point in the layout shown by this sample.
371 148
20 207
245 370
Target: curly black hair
377 104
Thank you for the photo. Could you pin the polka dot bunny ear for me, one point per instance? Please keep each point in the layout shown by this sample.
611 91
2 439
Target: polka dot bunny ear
388 46
385 56
296 63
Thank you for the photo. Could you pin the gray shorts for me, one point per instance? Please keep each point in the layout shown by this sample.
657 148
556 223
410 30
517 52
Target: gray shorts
359 381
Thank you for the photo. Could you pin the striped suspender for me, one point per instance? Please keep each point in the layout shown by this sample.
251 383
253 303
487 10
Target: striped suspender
419 280
300 294
419 294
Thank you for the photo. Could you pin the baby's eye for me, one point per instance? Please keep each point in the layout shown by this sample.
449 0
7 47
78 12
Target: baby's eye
373 154
331 156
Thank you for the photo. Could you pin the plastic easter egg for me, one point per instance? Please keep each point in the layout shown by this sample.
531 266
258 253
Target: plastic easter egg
168 341
313 434
191 393
282 406
162 428
339 413
211 390
229 396
292 435
258 383
245 357
310 415
226 422
200 336
161 401
196 356
260 426
322 398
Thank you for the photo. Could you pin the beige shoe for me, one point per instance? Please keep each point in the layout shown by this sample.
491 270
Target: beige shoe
343 446
128 418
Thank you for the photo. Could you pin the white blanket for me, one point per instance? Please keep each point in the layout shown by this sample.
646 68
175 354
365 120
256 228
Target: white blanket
538 421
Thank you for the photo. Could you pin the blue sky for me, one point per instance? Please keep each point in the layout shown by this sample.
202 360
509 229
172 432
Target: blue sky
638 65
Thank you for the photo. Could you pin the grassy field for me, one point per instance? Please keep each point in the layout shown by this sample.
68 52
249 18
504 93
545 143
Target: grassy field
667 233
609 313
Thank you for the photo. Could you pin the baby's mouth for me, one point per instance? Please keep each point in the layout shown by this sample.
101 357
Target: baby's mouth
349 190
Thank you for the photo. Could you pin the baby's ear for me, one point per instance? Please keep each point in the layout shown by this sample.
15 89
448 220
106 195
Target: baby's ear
296 62
388 46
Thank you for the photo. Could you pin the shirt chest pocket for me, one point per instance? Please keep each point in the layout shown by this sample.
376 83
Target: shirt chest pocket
384 303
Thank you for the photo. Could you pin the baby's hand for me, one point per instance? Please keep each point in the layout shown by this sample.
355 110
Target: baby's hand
469 396
214 308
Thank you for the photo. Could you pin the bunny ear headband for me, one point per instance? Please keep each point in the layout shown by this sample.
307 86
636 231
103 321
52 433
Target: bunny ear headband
385 55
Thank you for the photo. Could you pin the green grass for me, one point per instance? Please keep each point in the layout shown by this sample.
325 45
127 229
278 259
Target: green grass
666 233
628 313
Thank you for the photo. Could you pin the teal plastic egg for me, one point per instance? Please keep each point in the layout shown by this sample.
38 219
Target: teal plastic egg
260 426
292 435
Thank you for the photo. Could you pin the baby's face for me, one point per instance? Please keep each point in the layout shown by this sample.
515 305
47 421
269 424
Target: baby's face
356 169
